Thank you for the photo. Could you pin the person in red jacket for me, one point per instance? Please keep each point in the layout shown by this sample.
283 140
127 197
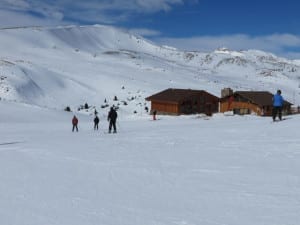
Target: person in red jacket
75 123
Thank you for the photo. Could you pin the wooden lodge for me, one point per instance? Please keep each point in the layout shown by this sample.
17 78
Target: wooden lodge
247 102
183 101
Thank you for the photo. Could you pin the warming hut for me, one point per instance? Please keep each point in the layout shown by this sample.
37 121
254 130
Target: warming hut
247 102
183 101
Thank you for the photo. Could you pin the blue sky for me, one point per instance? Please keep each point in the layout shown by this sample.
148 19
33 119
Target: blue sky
204 25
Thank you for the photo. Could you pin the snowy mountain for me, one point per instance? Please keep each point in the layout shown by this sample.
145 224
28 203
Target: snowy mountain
184 170
68 66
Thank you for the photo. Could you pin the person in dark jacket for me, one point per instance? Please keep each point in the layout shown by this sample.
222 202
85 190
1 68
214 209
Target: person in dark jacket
75 123
277 105
154 114
112 118
96 122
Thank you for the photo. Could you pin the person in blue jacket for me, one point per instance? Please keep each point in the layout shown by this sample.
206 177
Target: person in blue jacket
277 105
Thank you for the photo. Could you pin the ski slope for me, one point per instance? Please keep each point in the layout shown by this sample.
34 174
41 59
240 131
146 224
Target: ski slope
177 170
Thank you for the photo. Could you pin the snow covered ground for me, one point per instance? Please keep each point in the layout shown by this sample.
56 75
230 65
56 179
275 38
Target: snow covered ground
187 170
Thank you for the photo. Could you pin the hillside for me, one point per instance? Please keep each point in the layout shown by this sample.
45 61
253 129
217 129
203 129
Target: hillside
61 66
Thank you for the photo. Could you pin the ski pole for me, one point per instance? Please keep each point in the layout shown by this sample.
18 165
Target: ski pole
119 126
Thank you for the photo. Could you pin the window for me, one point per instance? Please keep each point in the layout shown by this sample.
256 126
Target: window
241 111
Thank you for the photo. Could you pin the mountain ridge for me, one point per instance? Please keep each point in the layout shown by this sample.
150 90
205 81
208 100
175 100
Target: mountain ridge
59 66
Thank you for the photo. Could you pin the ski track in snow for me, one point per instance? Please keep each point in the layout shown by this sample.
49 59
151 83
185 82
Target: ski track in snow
11 143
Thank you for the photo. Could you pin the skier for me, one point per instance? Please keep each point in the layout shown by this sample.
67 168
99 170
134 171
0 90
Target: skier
277 105
96 122
112 118
154 114
75 123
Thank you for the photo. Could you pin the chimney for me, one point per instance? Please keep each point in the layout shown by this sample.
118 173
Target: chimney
226 92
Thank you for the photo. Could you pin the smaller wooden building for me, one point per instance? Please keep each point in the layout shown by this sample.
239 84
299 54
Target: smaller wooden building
184 101
247 102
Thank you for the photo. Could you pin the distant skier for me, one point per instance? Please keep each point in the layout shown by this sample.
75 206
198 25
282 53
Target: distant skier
112 118
154 114
96 122
75 123
277 105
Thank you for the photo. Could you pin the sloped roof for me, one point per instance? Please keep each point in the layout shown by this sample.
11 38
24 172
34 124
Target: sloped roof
176 95
261 98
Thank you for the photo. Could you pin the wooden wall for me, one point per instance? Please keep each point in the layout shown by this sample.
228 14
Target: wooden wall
165 108
202 103
261 111
224 106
